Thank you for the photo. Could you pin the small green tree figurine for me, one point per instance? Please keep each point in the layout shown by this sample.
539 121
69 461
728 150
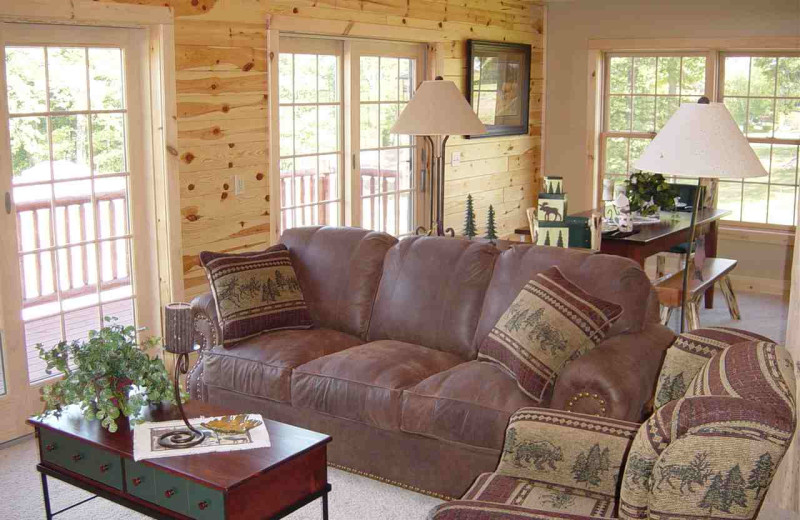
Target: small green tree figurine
560 242
491 230
469 220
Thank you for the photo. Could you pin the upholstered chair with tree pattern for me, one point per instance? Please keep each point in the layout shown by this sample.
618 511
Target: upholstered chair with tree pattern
709 450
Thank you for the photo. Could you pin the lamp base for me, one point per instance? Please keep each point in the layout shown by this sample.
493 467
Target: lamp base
191 436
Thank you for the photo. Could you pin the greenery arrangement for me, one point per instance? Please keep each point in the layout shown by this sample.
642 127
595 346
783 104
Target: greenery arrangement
649 193
491 230
100 375
469 219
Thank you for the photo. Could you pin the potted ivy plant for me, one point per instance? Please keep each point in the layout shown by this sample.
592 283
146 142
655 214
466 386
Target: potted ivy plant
108 376
649 193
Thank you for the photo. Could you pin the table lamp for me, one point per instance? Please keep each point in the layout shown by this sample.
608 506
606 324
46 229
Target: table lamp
700 140
437 111
179 340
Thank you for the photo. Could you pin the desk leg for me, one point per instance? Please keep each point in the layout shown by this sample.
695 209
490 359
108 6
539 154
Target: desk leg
48 514
325 506
711 252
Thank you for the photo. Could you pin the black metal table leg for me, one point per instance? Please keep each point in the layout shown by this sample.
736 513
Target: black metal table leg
47 512
325 506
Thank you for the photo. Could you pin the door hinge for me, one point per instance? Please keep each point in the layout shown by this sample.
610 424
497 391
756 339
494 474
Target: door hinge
8 203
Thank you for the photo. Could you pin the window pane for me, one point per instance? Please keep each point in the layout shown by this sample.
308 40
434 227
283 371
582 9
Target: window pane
665 108
616 155
738 109
754 206
620 71
784 164
388 117
328 128
108 143
637 149
789 76
644 75
737 74
389 80
25 76
760 118
619 113
368 126
329 177
369 73
644 113
305 136
787 112
30 153
730 198
67 77
286 124
70 146
694 76
370 172
287 169
669 75
285 79
781 205
388 175
105 76
763 153
305 78
327 79
305 180
762 76
405 168
406 79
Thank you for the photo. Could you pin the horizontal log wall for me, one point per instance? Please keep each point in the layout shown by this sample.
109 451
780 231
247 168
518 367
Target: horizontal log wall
222 94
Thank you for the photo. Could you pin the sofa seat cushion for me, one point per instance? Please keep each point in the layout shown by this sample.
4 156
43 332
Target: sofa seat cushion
471 404
500 497
262 366
366 383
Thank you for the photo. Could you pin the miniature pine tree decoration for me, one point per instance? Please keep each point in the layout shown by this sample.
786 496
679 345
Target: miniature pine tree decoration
491 230
560 242
469 220
547 238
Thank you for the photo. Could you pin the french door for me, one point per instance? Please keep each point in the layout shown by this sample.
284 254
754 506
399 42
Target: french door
76 231
339 163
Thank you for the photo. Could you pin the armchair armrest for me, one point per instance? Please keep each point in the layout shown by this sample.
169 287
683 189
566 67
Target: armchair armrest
617 378
566 449
207 336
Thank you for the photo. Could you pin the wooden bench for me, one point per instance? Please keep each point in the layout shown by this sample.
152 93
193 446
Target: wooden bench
670 290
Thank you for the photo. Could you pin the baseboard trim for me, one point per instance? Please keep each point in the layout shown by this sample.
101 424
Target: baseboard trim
391 482
760 285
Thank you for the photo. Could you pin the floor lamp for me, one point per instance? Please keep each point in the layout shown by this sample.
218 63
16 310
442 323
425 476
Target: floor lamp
700 140
437 111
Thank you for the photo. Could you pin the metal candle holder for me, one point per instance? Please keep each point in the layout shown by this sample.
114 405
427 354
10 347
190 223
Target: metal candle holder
179 340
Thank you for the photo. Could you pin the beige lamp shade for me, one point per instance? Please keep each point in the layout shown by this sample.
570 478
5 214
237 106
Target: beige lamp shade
701 140
438 108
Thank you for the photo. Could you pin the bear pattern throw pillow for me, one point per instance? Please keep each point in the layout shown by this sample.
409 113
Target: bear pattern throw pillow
551 322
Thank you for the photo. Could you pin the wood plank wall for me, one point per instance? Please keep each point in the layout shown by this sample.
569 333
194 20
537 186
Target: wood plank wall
222 96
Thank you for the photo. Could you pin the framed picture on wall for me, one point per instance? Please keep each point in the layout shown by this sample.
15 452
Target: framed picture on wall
498 86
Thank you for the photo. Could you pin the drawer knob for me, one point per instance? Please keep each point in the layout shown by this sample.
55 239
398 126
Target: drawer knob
104 468
136 481
202 505
168 493
50 447
77 457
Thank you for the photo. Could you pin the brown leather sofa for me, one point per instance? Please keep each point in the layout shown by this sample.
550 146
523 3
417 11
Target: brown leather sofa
390 369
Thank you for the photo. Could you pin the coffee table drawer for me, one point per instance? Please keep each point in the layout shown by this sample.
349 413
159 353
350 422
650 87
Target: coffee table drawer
205 503
86 460
141 480
54 447
171 492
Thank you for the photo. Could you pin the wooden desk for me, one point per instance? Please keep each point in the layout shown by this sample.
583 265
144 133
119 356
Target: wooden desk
658 238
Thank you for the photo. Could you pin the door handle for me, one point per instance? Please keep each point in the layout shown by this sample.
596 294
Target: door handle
8 203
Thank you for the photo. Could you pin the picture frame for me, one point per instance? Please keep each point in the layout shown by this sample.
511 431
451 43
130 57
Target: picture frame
498 86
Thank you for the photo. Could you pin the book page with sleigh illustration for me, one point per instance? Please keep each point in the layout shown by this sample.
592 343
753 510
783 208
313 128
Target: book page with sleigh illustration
221 436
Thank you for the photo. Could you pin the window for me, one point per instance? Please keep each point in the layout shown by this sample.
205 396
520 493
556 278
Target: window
375 186
762 92
641 93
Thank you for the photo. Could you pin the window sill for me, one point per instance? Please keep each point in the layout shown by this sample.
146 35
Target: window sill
760 235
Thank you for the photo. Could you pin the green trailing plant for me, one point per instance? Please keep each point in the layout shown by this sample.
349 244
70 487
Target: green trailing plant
108 376
649 192
469 219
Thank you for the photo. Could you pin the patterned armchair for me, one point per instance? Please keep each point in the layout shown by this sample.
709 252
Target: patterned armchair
709 451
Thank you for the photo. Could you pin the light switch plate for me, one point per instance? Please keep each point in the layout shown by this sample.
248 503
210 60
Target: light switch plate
456 160
238 185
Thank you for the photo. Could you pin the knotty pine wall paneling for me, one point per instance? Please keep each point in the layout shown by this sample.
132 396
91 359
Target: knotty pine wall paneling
222 95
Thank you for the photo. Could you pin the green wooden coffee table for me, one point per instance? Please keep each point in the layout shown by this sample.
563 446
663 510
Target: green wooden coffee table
252 484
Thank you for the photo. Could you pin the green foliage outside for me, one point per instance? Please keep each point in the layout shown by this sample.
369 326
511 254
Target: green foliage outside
107 369
71 135
648 192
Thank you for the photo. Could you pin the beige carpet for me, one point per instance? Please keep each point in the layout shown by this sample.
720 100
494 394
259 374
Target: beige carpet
352 498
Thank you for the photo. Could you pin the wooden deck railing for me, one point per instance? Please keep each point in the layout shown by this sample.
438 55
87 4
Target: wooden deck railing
71 274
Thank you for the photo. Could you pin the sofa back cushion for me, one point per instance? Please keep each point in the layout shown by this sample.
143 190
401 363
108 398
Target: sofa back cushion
613 278
432 292
339 269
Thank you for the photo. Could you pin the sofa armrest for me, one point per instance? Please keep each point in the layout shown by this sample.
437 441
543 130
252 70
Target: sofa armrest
207 336
567 449
617 378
